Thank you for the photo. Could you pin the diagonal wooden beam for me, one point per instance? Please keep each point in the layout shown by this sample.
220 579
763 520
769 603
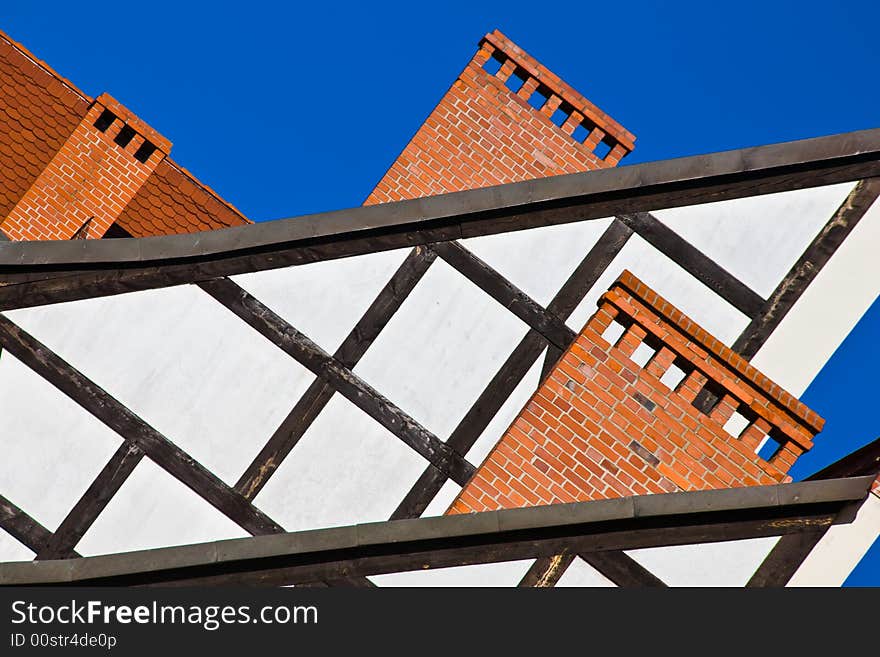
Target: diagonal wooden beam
93 501
780 565
271 326
695 262
546 571
506 293
807 267
515 367
622 569
103 406
319 393
783 561
22 527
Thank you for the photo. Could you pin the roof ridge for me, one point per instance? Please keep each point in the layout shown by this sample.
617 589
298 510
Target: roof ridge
43 65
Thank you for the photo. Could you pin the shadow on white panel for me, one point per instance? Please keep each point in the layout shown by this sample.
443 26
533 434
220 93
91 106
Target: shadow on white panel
346 469
506 573
184 363
51 447
153 509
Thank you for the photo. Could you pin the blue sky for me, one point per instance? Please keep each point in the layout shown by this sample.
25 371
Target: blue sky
291 108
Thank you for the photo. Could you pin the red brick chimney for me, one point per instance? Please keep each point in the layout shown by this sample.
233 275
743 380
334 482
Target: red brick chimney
505 119
644 401
91 178
74 168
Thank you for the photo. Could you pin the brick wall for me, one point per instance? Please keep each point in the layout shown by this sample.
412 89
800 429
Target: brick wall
484 133
661 407
89 181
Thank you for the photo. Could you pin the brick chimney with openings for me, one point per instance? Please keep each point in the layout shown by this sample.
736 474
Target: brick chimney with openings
505 119
644 401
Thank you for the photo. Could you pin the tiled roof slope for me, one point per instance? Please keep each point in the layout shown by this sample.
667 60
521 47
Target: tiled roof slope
39 110
173 201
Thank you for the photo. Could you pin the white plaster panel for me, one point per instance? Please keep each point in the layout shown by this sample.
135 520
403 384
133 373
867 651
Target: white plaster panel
580 573
671 282
841 549
12 550
827 311
346 469
153 509
326 299
505 573
730 563
757 238
439 351
182 362
51 448
539 260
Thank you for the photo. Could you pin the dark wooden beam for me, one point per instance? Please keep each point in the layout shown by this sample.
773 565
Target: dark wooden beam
103 406
259 317
93 501
515 367
504 535
695 262
550 359
22 527
783 561
506 293
546 571
349 353
808 266
622 569
785 558
89 268
863 461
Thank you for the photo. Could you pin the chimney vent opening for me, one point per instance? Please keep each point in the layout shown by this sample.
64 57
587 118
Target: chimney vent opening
516 80
105 120
144 151
602 149
125 136
492 65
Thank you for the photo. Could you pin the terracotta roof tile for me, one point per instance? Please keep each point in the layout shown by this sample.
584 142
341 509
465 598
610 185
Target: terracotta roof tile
172 201
36 117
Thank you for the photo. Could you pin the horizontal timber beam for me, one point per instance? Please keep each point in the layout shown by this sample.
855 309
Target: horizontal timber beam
37 273
376 548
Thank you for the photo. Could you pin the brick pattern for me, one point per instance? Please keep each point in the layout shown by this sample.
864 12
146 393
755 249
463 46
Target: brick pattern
45 133
601 426
482 134
704 341
89 180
